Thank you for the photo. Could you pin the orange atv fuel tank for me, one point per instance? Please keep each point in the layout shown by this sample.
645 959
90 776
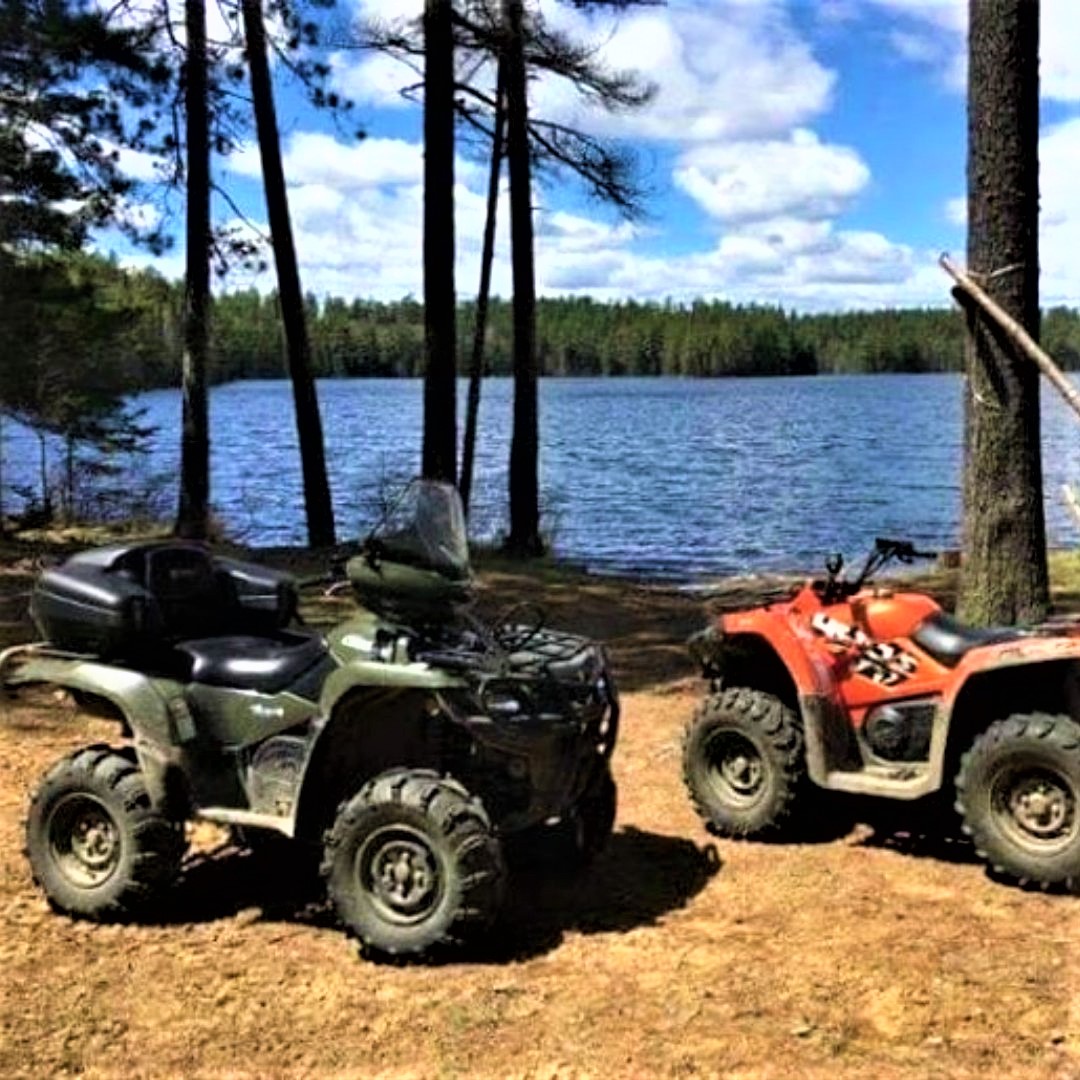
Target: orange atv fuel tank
884 615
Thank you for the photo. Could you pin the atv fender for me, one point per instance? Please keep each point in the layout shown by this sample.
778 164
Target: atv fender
806 671
374 674
765 654
368 730
141 703
1036 672
157 721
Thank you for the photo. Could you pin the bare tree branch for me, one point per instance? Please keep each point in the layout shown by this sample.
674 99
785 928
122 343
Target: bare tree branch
606 169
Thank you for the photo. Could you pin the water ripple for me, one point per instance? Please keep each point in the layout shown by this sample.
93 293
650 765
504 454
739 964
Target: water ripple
668 478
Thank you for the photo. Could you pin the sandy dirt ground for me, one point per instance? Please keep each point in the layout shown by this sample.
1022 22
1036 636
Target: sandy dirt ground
879 953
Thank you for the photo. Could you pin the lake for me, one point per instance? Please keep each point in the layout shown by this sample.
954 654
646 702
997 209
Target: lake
679 479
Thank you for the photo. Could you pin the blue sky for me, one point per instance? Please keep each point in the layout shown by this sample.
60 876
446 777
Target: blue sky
809 154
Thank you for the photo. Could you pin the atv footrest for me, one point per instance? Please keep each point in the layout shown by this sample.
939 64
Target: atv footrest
905 781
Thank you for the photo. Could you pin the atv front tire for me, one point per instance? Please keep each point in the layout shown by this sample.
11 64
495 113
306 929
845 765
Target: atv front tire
1018 791
572 844
593 820
411 863
97 846
743 762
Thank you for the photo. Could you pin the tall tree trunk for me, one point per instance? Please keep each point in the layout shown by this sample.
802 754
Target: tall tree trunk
43 475
317 503
1004 578
193 517
69 480
524 537
487 256
439 458
3 522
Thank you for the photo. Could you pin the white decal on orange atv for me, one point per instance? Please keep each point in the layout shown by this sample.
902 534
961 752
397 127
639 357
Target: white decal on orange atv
879 661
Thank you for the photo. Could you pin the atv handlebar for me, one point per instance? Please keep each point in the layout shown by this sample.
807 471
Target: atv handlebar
904 550
884 551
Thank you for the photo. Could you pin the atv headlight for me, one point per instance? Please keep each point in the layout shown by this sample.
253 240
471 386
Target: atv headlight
503 700
502 705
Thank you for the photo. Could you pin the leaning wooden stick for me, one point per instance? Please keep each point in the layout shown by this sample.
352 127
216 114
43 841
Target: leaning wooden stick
1020 337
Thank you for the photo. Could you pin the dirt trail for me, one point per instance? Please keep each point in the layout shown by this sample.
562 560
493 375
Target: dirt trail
876 954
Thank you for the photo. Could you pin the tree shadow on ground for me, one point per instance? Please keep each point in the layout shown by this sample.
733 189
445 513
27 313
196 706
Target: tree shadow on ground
640 877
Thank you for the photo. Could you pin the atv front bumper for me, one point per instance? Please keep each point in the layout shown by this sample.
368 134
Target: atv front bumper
538 764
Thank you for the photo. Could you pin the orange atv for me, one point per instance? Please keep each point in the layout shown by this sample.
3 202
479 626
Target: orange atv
868 689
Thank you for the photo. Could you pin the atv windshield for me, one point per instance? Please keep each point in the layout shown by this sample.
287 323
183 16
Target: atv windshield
425 527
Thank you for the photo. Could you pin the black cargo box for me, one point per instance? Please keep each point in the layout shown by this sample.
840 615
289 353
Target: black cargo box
126 600
85 609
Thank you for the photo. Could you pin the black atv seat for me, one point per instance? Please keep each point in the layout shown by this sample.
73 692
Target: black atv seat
947 640
266 664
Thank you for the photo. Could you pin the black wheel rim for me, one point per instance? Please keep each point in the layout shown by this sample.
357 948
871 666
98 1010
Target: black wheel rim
399 870
1035 806
735 771
84 840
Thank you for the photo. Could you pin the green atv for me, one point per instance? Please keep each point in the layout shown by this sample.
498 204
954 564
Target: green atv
407 745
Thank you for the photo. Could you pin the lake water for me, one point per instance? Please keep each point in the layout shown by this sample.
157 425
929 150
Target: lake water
666 478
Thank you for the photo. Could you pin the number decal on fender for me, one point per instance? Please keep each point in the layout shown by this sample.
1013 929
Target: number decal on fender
879 661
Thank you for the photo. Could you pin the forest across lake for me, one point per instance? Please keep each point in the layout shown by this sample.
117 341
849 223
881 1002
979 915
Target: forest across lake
137 315
676 479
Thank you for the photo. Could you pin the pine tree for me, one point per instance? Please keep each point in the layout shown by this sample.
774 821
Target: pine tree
440 328
193 515
1004 577
524 535
317 503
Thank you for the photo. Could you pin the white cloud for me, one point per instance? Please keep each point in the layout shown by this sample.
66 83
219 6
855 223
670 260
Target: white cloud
839 269
931 34
1059 67
1059 165
571 232
140 215
169 266
919 48
863 258
388 10
934 33
946 15
956 211
137 164
376 80
366 241
831 13
312 157
739 89
732 69
798 176
1059 213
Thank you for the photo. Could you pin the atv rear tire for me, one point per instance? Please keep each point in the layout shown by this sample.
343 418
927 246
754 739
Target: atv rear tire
97 846
411 863
1018 791
743 762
